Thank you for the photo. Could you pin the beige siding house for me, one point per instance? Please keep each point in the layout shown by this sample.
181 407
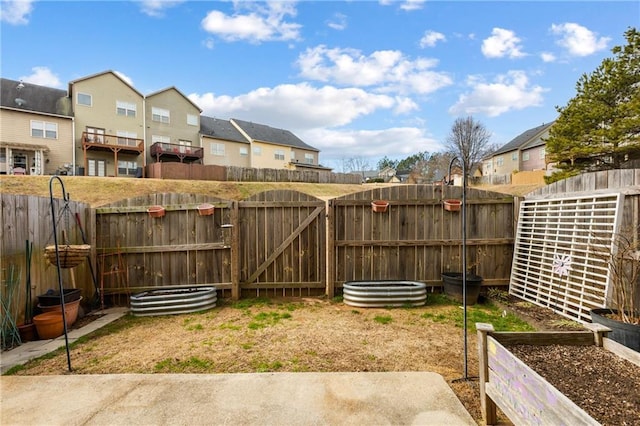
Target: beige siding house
523 153
36 130
223 144
109 125
277 148
173 127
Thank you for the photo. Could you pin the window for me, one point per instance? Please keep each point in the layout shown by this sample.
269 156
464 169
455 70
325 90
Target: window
84 99
127 168
192 119
499 161
96 167
308 158
95 135
185 146
293 155
279 154
127 138
161 115
542 153
161 139
257 150
525 156
514 156
244 151
216 149
125 108
43 129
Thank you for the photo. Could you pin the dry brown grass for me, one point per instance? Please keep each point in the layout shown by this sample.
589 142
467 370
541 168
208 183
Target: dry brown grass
100 191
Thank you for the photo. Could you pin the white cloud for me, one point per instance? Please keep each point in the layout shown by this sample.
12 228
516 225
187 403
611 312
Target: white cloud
385 70
296 106
502 43
578 40
548 57
510 91
336 146
42 76
410 5
338 22
263 22
125 77
156 8
16 12
430 38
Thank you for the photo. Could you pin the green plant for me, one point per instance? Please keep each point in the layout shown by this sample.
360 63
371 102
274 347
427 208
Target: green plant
382 319
174 365
498 294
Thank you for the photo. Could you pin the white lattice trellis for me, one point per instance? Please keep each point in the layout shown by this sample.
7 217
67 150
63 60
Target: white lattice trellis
551 231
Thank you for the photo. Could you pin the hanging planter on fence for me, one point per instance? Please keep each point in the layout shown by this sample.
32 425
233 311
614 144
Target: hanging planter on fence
156 211
70 255
206 209
379 206
452 205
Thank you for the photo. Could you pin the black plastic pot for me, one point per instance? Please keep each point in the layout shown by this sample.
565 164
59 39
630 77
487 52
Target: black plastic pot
52 297
452 283
624 333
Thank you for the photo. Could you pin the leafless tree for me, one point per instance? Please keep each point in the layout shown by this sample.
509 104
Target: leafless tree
469 140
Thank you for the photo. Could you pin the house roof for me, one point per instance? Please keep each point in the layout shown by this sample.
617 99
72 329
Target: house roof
31 97
220 129
261 132
71 83
179 92
527 137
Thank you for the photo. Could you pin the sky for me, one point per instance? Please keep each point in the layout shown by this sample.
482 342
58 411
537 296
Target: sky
358 80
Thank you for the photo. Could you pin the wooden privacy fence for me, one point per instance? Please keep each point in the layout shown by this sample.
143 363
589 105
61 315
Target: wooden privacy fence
28 219
282 243
416 239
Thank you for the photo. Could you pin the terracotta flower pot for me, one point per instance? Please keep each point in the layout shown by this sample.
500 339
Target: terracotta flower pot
379 206
156 211
206 209
49 325
452 205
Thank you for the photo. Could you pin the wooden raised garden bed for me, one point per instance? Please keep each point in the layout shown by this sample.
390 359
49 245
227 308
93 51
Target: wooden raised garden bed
525 396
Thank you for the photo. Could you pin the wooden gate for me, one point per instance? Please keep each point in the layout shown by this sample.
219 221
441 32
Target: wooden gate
282 244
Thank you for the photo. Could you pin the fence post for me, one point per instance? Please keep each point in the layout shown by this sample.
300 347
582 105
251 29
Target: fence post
235 252
330 244
487 406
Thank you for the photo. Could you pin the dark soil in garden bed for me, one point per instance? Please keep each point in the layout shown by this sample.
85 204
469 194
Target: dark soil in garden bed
604 385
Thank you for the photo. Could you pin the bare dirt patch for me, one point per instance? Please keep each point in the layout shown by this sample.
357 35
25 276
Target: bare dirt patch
292 335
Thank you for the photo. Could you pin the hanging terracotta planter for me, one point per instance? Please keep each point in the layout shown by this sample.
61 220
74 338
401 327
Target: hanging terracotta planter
206 209
156 211
452 205
379 206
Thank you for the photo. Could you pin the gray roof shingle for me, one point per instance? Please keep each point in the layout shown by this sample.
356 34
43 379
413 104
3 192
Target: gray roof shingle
523 139
261 132
34 98
220 129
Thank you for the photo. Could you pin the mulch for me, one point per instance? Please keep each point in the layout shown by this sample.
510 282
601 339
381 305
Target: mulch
604 385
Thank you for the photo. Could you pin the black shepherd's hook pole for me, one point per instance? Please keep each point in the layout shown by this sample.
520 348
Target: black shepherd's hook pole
464 257
65 197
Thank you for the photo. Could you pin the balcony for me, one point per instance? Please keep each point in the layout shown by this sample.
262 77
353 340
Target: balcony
113 143
169 152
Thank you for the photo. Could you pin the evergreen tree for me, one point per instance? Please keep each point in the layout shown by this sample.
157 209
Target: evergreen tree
599 128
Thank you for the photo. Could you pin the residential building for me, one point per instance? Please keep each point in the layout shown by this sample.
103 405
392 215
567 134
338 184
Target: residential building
277 148
526 152
173 127
109 125
103 126
223 144
36 129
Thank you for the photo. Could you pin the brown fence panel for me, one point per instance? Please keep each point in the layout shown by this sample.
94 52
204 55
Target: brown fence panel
180 249
28 218
282 244
416 239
